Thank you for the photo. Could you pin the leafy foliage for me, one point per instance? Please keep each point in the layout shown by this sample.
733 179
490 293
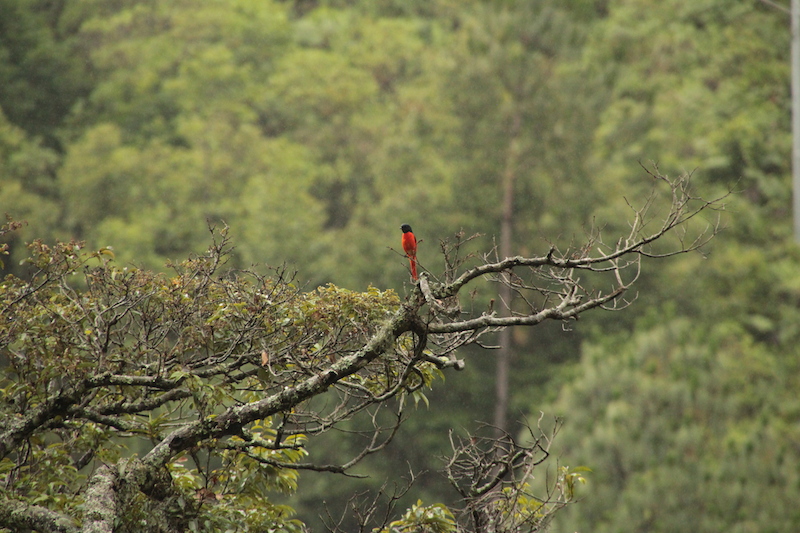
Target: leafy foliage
314 128
678 416
685 406
431 519
83 365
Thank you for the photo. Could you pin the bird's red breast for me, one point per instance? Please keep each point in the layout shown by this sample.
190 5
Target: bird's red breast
410 248
409 243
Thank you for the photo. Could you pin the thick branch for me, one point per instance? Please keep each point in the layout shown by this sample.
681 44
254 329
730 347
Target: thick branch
99 508
19 430
231 421
22 516
64 401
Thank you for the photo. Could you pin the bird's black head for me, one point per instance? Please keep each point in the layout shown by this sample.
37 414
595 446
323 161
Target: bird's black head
406 228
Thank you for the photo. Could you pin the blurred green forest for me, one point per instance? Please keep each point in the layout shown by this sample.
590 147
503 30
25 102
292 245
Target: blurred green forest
315 128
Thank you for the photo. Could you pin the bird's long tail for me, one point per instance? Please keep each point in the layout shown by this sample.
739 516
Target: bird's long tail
413 260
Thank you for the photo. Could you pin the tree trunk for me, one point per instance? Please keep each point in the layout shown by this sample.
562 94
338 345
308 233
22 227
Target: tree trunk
506 295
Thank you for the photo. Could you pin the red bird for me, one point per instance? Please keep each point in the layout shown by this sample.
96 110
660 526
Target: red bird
410 248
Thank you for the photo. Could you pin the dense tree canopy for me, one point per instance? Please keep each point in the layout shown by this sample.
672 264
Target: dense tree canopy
313 129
